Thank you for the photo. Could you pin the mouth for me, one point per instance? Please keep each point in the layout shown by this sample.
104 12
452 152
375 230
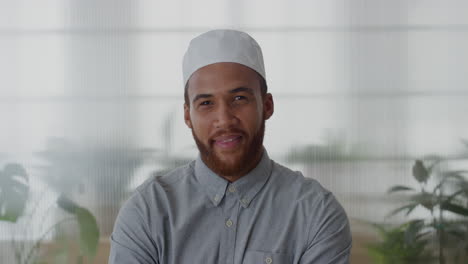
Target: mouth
228 141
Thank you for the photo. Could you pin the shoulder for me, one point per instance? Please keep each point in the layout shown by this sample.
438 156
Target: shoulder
305 189
325 217
317 203
155 190
159 184
142 216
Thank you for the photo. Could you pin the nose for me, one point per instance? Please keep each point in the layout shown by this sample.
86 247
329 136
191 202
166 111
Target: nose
225 117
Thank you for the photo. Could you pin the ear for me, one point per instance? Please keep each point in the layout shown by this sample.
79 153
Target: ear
187 120
268 106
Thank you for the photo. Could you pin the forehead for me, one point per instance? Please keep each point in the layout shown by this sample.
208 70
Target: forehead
219 77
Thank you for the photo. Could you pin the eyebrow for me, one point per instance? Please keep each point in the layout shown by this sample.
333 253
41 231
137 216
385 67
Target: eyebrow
200 96
242 89
236 90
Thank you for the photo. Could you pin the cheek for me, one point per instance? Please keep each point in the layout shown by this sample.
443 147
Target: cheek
200 125
252 121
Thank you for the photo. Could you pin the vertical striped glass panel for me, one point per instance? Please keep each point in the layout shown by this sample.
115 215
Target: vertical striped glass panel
91 102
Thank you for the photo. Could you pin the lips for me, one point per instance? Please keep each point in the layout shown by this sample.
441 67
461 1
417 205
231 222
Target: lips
227 141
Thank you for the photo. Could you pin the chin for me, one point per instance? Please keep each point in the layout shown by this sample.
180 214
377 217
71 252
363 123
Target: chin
231 160
234 161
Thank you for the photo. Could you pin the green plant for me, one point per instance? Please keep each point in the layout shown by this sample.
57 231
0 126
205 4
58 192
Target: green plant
14 194
443 194
404 244
104 172
334 148
14 191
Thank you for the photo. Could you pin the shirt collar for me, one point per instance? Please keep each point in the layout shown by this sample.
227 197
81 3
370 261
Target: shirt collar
246 188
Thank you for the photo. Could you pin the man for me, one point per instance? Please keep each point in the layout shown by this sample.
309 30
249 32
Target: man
233 204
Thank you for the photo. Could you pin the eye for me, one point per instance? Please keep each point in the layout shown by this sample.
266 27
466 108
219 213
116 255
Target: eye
205 103
239 97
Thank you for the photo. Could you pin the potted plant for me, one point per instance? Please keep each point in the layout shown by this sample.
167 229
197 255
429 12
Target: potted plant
14 201
442 235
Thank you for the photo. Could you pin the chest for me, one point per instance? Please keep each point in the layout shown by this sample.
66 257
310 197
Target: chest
268 231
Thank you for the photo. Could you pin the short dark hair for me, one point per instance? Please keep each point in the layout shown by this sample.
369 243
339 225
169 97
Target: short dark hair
263 89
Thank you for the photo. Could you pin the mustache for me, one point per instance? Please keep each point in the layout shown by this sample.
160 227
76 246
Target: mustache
228 131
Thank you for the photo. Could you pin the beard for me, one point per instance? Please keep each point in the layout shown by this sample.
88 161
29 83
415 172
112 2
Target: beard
250 154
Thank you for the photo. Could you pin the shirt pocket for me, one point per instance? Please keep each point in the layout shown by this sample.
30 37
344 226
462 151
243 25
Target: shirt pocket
265 257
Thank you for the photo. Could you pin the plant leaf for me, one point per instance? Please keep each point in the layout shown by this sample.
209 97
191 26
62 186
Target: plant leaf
89 232
454 208
409 208
420 172
14 192
399 188
453 195
412 231
427 200
67 204
454 175
458 234
393 247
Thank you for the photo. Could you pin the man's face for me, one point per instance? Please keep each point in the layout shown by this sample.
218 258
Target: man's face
227 114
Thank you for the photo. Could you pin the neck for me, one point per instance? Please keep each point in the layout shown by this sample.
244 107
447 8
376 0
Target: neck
244 171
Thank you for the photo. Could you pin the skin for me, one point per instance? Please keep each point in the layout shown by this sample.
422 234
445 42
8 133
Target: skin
227 113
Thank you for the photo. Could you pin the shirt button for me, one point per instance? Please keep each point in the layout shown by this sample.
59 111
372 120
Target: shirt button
244 201
268 260
229 223
216 198
232 189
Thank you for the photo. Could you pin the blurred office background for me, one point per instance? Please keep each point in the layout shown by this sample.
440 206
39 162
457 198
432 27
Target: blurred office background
91 101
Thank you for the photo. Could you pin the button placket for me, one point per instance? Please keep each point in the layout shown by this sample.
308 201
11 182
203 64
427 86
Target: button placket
244 201
230 211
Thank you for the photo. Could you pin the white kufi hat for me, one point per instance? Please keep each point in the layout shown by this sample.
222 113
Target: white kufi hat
222 45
